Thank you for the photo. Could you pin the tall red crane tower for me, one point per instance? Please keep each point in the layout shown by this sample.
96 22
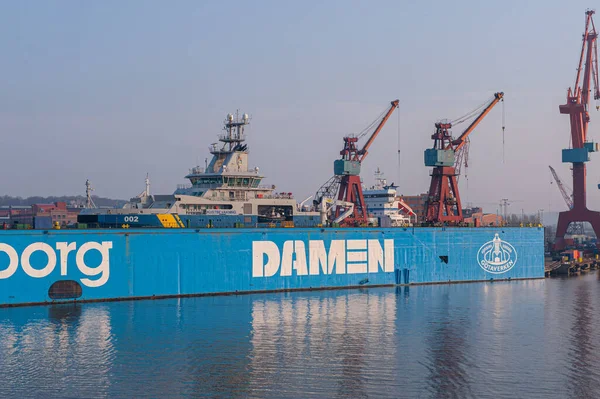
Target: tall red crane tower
577 107
346 180
443 200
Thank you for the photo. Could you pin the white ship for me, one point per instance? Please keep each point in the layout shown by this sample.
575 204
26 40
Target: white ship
385 207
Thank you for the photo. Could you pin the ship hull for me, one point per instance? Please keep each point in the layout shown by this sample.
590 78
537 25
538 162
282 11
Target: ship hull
38 267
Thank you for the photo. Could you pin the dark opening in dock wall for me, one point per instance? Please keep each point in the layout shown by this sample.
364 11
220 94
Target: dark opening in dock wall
65 289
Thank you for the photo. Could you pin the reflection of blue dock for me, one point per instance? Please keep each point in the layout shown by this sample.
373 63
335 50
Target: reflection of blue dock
387 342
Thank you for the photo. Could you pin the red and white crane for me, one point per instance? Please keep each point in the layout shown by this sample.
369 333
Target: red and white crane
577 107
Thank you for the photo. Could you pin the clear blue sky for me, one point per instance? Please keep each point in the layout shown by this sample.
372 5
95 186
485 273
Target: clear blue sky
110 90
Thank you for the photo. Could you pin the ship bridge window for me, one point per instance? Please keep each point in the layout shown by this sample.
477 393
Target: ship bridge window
220 206
209 181
239 182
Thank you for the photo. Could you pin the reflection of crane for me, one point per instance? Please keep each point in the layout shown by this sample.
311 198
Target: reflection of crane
346 180
447 155
577 107
575 227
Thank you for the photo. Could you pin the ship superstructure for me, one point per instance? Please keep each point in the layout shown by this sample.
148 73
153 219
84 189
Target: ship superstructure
227 192
385 208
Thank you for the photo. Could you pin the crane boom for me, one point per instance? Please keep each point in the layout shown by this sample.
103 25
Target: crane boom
561 188
460 141
365 150
590 52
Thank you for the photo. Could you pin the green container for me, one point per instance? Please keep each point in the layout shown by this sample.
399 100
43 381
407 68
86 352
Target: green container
590 146
434 157
575 155
342 167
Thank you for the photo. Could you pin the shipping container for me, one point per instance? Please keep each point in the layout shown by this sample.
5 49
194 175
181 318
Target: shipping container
42 222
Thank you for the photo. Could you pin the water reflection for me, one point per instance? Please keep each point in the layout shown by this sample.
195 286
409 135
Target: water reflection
321 343
519 339
583 377
38 353
447 348
64 314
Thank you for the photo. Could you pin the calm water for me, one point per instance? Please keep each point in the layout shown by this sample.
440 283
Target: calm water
522 339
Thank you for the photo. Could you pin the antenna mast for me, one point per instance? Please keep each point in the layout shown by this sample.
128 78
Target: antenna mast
88 193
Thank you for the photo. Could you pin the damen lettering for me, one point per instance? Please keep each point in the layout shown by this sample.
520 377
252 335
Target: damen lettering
341 257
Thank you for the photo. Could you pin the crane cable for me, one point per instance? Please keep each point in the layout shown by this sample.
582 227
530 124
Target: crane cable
472 113
503 127
372 124
399 158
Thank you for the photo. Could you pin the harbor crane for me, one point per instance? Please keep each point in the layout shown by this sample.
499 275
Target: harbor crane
577 107
446 157
576 227
345 184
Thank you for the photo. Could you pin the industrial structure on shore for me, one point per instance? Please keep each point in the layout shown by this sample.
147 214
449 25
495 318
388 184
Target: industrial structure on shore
577 108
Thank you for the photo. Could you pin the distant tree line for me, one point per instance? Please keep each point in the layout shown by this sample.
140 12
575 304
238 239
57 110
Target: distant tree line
71 200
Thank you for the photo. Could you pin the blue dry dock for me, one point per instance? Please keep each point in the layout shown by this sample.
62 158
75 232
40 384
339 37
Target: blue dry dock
63 265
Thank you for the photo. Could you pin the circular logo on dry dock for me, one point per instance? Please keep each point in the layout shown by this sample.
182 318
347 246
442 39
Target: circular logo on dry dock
497 256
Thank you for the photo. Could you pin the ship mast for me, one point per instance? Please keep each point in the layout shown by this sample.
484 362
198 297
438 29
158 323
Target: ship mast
88 194
234 133
147 185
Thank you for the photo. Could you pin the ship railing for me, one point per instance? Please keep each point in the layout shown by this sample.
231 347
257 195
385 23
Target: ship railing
184 186
233 137
196 170
279 196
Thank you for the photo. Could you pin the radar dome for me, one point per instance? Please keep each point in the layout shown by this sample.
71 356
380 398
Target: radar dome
229 117
245 117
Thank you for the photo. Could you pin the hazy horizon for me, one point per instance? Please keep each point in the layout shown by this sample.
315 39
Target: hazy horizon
110 91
